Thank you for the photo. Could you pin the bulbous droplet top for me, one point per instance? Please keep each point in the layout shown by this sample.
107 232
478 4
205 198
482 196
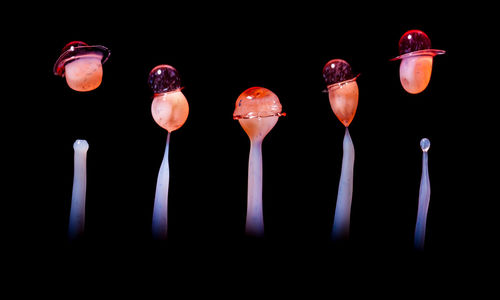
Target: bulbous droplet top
413 40
81 145
425 144
337 70
257 102
163 79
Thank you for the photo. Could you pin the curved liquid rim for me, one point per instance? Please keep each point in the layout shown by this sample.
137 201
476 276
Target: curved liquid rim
253 116
79 52
424 52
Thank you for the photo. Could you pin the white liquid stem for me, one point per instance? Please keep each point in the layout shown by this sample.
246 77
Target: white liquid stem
423 203
255 218
344 197
160 211
77 213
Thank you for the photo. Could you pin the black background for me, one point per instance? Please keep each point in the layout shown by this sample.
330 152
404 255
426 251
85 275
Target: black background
219 51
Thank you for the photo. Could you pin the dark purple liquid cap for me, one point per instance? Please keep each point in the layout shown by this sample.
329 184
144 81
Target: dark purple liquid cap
163 79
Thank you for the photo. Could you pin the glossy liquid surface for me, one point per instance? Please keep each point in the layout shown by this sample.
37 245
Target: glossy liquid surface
170 110
84 74
344 100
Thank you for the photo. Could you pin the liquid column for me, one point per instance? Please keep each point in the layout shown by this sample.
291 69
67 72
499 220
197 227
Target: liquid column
255 217
77 213
160 211
344 197
423 197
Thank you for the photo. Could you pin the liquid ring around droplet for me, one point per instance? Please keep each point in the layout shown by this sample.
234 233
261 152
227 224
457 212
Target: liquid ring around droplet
76 52
425 52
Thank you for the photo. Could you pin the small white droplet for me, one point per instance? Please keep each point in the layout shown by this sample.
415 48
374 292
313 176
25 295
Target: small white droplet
425 144
332 66
158 72
409 36
81 145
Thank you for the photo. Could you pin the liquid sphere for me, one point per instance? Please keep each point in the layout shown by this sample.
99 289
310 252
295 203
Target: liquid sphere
163 79
413 40
337 70
343 91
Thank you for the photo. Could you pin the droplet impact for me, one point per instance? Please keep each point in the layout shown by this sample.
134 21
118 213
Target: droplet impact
342 89
257 109
416 58
169 108
81 64
257 102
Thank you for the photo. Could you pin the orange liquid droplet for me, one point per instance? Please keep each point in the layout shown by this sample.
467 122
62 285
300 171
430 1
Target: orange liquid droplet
415 73
84 74
344 101
257 102
170 110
